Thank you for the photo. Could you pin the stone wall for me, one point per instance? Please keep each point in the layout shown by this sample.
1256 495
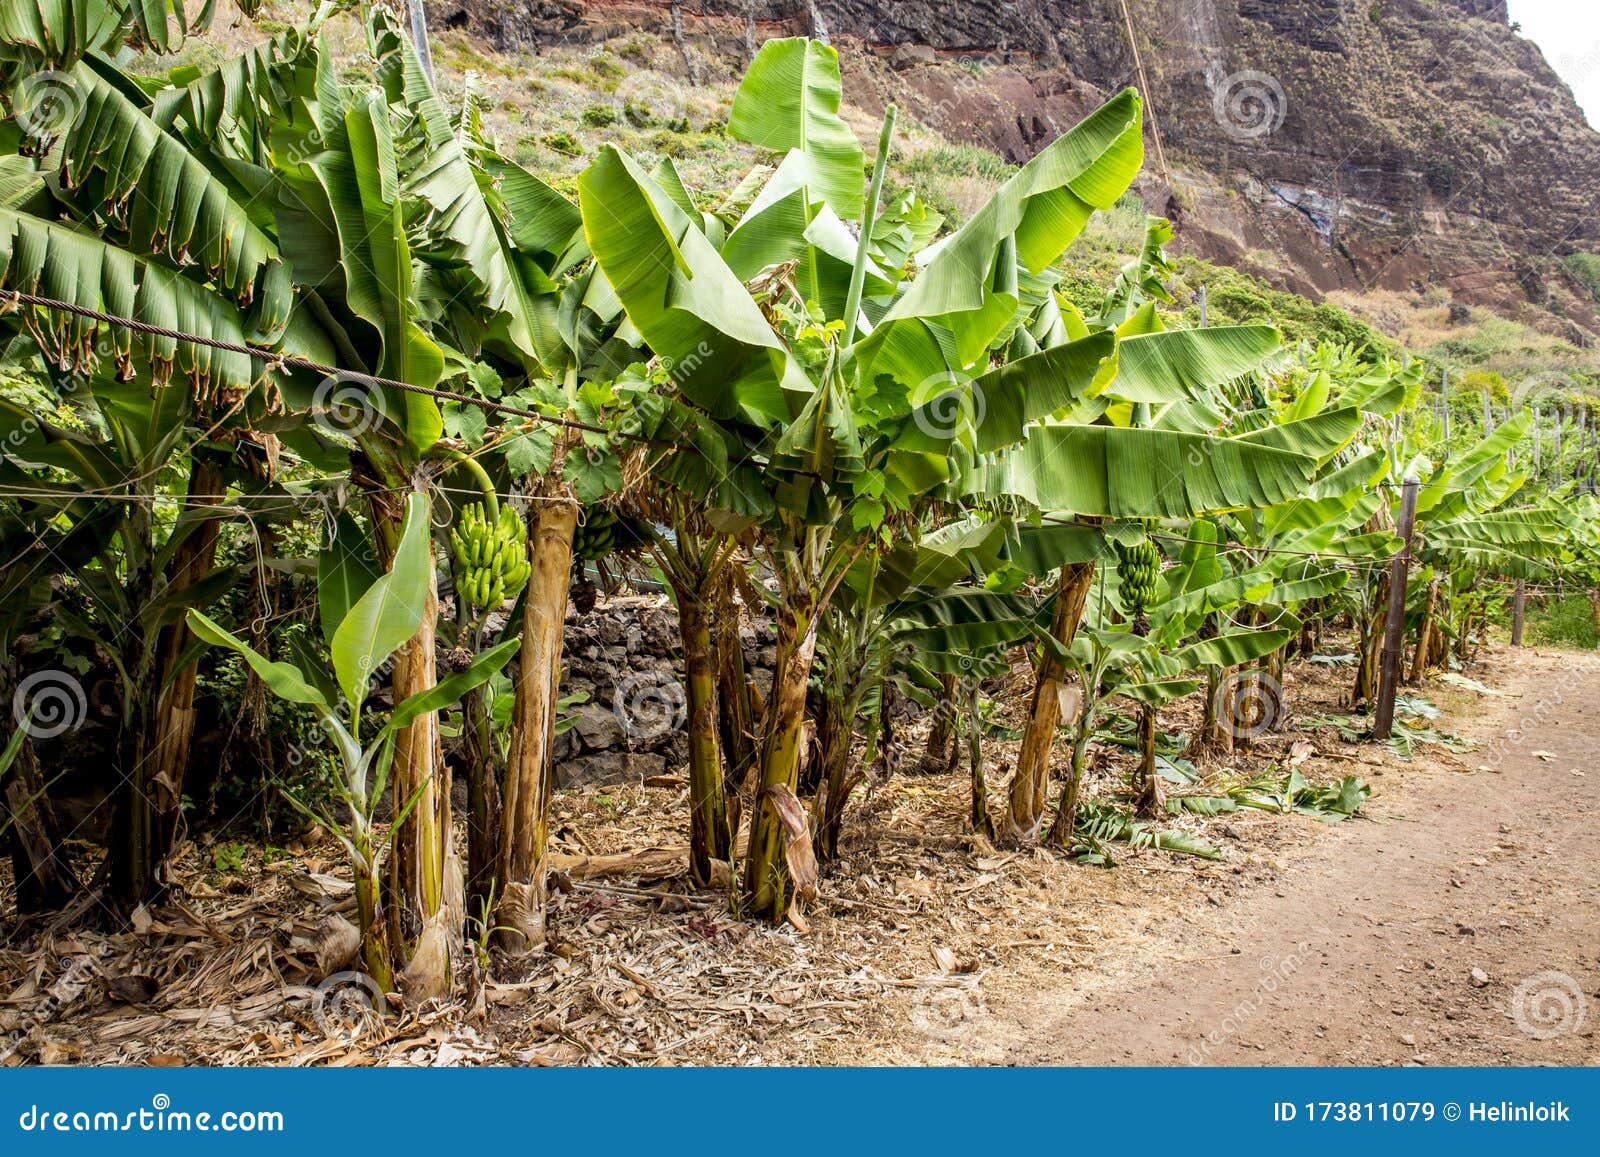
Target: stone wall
625 654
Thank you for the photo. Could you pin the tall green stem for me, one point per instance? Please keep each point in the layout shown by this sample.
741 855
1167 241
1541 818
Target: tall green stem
491 501
869 218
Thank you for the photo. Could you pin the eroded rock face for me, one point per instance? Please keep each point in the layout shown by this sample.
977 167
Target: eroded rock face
1384 143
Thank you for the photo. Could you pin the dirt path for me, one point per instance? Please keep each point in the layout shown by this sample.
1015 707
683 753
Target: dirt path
1462 931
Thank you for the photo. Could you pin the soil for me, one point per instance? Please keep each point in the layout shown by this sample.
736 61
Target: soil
1450 922
1458 930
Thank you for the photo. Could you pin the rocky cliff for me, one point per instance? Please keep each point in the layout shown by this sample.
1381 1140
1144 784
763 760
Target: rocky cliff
1329 144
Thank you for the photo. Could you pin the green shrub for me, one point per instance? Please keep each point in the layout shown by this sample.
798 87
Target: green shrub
636 48
1585 267
598 116
605 66
957 161
564 142
1567 621
1234 297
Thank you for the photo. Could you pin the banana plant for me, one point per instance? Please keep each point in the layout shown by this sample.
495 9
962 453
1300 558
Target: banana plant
105 208
1150 670
214 204
43 34
788 381
914 618
41 867
1466 527
366 618
1075 473
1580 518
904 618
93 496
962 635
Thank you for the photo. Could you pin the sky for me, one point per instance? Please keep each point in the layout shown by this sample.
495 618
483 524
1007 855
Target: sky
1569 33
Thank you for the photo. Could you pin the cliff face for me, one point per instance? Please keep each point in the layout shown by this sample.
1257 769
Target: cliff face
1326 143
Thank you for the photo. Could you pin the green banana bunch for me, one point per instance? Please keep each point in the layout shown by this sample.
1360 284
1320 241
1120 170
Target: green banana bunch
604 532
597 537
1137 568
491 555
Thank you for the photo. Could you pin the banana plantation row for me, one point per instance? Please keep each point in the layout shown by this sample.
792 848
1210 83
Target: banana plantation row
801 396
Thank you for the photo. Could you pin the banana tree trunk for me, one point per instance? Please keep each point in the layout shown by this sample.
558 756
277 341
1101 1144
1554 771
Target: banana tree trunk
132 860
1219 724
979 817
941 753
883 733
426 899
530 771
259 746
1061 830
175 679
1277 699
738 718
834 738
1307 646
377 959
44 877
1464 639
1030 787
767 883
709 837
1152 798
1369 640
482 758
1419 661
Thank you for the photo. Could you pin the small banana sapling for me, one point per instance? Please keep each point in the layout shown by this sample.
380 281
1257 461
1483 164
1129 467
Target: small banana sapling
366 617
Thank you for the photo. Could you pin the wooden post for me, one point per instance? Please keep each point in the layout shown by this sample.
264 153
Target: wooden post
1444 390
1488 414
1394 624
1561 418
1202 307
1519 610
1536 434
